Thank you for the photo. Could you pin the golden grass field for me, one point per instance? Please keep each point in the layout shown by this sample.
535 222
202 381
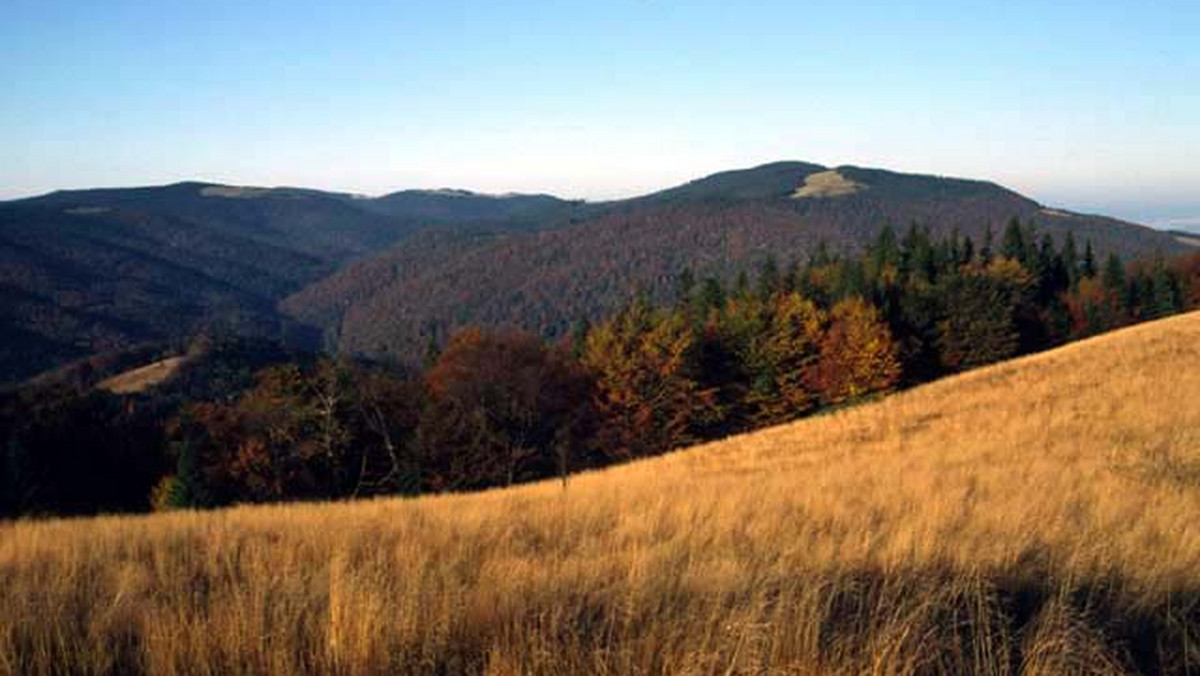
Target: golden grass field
1037 517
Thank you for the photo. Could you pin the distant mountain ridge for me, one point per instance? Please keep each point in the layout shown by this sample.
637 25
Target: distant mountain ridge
85 271
392 304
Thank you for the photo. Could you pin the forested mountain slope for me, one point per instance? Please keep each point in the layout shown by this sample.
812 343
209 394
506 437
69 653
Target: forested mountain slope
395 302
88 271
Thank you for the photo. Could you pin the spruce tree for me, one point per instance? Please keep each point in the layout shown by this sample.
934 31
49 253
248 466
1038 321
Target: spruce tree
1014 246
916 254
791 280
685 287
1051 271
1165 295
712 295
741 285
1070 257
768 278
579 334
968 251
885 251
1088 268
953 247
821 256
1114 275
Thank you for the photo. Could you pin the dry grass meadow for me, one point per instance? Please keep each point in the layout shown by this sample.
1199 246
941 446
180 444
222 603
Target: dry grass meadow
827 184
143 378
1037 517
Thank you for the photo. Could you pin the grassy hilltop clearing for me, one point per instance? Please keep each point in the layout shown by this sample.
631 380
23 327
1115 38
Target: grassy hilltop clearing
1041 516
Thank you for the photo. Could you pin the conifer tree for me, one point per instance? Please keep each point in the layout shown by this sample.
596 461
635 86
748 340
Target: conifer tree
741 285
1014 246
192 486
884 252
712 295
821 256
768 278
685 287
1070 258
432 352
1114 274
1088 267
950 250
979 325
917 258
968 251
1165 296
791 279
579 333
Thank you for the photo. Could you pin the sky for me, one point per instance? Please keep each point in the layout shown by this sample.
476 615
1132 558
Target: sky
1086 105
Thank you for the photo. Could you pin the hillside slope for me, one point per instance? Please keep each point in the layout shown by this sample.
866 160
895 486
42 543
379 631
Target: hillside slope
91 271
543 281
88 271
1035 517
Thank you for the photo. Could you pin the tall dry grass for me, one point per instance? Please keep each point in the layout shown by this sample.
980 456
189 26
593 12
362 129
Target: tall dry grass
1038 517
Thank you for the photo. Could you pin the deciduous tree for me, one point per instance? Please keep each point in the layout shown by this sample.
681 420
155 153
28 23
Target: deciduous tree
647 393
503 404
858 355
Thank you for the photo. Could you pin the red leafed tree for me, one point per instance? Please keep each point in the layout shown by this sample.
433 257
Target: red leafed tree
505 408
1188 269
1093 308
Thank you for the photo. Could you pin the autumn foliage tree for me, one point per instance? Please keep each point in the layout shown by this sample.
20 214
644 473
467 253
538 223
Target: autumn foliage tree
858 355
647 395
330 431
1188 271
776 341
264 447
1094 307
505 407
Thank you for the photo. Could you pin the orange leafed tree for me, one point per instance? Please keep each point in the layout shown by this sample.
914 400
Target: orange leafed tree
646 393
789 351
858 355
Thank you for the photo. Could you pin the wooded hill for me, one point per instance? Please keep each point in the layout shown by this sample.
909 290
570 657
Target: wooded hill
393 304
90 271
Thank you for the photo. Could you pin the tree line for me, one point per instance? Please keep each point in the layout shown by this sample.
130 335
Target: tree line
494 407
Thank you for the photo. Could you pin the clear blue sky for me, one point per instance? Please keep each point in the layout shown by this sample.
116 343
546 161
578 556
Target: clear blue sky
1081 104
